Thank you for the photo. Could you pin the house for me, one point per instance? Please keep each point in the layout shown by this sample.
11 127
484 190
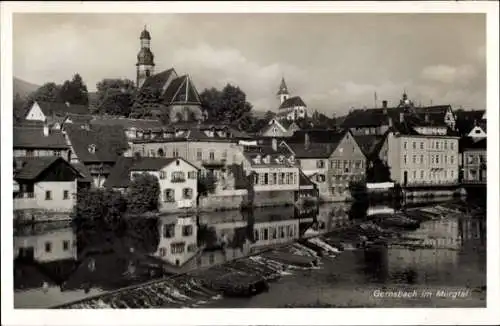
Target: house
275 174
291 108
332 159
96 148
274 227
134 128
211 148
438 114
473 160
47 183
39 141
178 239
420 154
51 112
177 93
177 177
471 123
279 128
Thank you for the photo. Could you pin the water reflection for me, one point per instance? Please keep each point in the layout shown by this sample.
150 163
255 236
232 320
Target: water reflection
60 260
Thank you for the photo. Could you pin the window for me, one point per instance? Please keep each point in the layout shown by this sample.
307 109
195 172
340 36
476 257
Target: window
445 145
437 159
187 230
421 159
187 193
421 174
451 145
404 145
224 154
57 153
152 153
274 233
65 194
357 164
211 156
163 175
178 176
451 174
404 159
432 159
177 248
169 230
65 245
163 252
266 178
445 174
192 175
30 152
256 235
414 174
452 158
48 246
274 179
281 179
169 195
289 230
414 145
414 158
287 179
320 164
176 152
281 231
437 145
48 195
422 145
446 159
266 234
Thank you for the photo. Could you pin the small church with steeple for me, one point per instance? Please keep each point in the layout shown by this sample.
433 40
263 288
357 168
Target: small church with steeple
290 108
178 93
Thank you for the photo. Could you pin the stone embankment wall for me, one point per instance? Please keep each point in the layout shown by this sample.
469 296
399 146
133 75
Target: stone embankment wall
273 198
223 200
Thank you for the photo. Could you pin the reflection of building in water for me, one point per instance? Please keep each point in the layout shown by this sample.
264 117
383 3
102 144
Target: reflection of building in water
50 246
178 239
440 234
274 226
333 216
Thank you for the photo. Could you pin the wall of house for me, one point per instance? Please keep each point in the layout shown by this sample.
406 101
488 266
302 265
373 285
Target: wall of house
193 151
477 132
178 239
273 174
57 203
319 167
275 232
273 198
424 160
35 113
23 152
346 164
474 165
47 247
188 180
274 130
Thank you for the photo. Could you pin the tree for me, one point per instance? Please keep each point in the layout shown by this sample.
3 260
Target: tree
378 172
225 106
115 96
75 91
147 102
18 107
206 184
269 115
48 92
143 194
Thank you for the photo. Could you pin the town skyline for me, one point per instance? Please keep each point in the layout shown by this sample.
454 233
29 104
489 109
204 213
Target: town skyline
435 58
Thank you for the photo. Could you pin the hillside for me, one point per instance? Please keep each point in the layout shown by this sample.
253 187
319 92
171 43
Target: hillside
23 88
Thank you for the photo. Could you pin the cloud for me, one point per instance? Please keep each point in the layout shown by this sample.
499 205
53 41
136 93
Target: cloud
448 74
215 67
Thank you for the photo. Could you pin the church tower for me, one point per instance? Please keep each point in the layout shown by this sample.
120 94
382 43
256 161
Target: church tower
145 59
283 94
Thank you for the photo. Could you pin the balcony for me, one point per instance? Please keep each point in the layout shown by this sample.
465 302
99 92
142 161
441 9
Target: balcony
214 162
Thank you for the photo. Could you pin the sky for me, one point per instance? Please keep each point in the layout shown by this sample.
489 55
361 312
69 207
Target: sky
333 61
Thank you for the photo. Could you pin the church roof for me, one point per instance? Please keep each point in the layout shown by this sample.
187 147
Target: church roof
181 90
145 34
145 57
159 80
292 102
283 89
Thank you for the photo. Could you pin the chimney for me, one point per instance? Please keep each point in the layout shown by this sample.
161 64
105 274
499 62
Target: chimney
306 141
384 104
401 117
274 144
46 130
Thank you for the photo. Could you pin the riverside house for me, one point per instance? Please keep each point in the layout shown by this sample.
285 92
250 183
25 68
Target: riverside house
280 128
473 160
333 160
53 112
39 141
178 179
46 183
94 149
211 148
275 175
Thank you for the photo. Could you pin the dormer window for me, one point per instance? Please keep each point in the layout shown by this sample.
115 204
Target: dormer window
92 148
257 159
267 159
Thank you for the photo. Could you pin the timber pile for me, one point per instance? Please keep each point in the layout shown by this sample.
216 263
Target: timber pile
291 259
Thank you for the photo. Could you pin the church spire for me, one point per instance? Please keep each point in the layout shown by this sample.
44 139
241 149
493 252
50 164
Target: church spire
145 58
283 90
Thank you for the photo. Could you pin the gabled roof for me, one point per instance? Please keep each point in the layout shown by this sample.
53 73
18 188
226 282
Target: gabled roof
370 144
312 151
283 88
368 117
292 102
304 180
468 143
119 176
181 90
109 141
30 168
33 138
324 136
158 81
435 109
84 172
61 109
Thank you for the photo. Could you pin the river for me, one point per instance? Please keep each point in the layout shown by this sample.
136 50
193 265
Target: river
58 263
